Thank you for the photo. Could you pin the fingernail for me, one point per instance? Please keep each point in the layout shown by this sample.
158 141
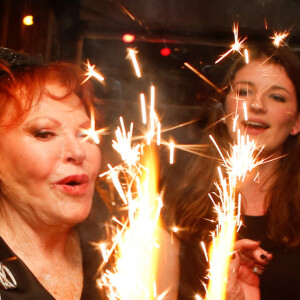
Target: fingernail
264 257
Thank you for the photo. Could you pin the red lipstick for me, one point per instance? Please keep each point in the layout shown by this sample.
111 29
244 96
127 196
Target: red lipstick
76 185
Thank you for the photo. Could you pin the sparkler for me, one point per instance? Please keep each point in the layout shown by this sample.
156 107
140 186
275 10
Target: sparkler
136 241
136 247
278 38
241 160
236 47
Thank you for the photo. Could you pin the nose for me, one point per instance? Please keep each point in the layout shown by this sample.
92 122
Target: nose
74 151
257 104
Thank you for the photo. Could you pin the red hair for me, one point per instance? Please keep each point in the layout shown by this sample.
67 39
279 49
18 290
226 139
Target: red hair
22 87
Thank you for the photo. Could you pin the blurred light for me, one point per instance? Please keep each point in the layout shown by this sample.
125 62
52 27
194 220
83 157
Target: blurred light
28 20
165 51
128 38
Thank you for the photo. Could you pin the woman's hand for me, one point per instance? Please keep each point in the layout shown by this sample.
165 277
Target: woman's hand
247 263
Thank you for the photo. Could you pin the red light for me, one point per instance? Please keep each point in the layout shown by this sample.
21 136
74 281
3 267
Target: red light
165 51
128 38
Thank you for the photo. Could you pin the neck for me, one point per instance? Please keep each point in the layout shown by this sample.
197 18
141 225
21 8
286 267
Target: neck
32 239
256 186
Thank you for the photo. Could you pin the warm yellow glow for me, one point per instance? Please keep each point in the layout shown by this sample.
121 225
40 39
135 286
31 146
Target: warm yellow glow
136 250
241 160
28 20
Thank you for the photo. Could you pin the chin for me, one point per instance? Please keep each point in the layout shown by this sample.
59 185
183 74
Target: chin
77 213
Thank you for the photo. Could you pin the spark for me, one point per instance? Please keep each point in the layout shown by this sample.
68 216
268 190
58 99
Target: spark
236 46
245 111
278 38
175 229
158 126
143 107
92 133
92 73
246 53
172 148
132 55
202 77
123 145
204 250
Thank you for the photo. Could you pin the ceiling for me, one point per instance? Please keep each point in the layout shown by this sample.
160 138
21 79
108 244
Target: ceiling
188 21
197 32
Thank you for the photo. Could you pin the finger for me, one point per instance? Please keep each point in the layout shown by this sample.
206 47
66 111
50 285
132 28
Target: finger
246 244
232 287
261 256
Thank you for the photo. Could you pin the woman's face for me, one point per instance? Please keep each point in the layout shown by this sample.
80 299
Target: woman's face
271 102
47 168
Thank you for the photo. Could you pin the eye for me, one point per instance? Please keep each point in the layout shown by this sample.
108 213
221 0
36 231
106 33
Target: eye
278 98
44 134
82 135
244 92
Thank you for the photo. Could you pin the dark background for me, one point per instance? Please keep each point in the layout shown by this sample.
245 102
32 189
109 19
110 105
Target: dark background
196 31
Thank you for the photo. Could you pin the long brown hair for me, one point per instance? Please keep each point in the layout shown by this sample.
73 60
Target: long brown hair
192 209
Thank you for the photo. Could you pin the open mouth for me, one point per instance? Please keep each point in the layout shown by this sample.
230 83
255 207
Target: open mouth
74 184
255 125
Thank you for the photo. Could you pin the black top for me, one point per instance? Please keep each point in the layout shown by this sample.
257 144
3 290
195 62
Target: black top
280 280
29 288
92 230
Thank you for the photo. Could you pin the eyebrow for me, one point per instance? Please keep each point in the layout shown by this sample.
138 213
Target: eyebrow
42 118
278 87
250 83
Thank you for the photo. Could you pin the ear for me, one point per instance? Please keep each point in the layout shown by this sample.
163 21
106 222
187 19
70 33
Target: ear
296 128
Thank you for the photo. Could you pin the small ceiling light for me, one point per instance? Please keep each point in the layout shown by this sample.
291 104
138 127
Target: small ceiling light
128 38
28 20
165 51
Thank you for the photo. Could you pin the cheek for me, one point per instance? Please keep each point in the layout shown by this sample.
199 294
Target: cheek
35 165
94 158
285 119
230 106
